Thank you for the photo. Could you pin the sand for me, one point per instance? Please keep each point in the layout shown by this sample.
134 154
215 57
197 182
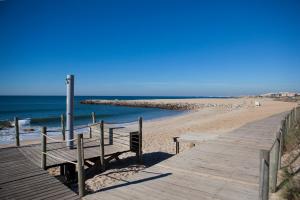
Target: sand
158 133
219 117
207 123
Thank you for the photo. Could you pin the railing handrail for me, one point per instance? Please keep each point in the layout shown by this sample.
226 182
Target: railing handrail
271 166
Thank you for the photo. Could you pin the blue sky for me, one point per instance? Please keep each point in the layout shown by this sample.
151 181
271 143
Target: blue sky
165 47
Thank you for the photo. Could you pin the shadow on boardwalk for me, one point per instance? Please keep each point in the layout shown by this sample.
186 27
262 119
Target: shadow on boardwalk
226 168
156 176
129 164
149 159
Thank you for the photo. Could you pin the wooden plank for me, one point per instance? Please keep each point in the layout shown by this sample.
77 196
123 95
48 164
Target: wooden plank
226 168
58 149
25 180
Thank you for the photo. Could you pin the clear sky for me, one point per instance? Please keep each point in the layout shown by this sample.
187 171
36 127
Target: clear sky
149 47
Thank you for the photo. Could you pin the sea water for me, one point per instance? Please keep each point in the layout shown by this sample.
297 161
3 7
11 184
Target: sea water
46 111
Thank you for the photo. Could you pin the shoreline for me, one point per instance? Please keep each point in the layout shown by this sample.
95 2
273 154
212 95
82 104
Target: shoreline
204 123
205 107
33 137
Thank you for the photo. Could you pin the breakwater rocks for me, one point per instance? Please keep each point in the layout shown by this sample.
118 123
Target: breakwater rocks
161 105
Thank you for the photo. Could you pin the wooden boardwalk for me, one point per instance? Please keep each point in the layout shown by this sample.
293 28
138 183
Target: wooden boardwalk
225 168
59 150
22 179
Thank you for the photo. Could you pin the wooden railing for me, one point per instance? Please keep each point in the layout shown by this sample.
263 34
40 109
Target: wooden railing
134 145
270 160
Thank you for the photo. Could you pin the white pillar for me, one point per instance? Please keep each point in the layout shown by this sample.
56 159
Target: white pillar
70 108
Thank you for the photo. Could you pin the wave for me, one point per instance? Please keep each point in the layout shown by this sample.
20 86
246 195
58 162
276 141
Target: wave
57 118
32 110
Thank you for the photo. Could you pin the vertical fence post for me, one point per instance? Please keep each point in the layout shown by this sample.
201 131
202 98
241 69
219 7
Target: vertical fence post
110 137
295 115
175 139
298 114
281 142
274 162
44 148
286 125
140 151
90 131
93 117
80 165
292 117
289 121
17 132
63 127
280 148
102 161
264 175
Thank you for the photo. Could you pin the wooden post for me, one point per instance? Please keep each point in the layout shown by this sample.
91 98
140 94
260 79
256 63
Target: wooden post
80 165
264 175
289 120
93 117
292 117
44 148
140 153
274 162
111 132
175 139
296 114
286 126
63 127
90 130
17 132
102 161
281 142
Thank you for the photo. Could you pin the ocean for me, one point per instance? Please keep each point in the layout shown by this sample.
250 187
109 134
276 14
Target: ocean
46 111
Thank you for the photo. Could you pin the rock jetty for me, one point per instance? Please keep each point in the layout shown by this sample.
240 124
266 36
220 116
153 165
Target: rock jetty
161 105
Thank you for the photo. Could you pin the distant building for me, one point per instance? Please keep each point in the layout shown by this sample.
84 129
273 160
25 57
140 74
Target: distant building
288 94
281 94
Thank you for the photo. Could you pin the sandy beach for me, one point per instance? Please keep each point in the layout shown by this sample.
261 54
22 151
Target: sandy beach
208 122
209 118
224 116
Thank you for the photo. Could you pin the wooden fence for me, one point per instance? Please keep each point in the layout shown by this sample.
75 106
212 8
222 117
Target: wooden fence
117 134
270 160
